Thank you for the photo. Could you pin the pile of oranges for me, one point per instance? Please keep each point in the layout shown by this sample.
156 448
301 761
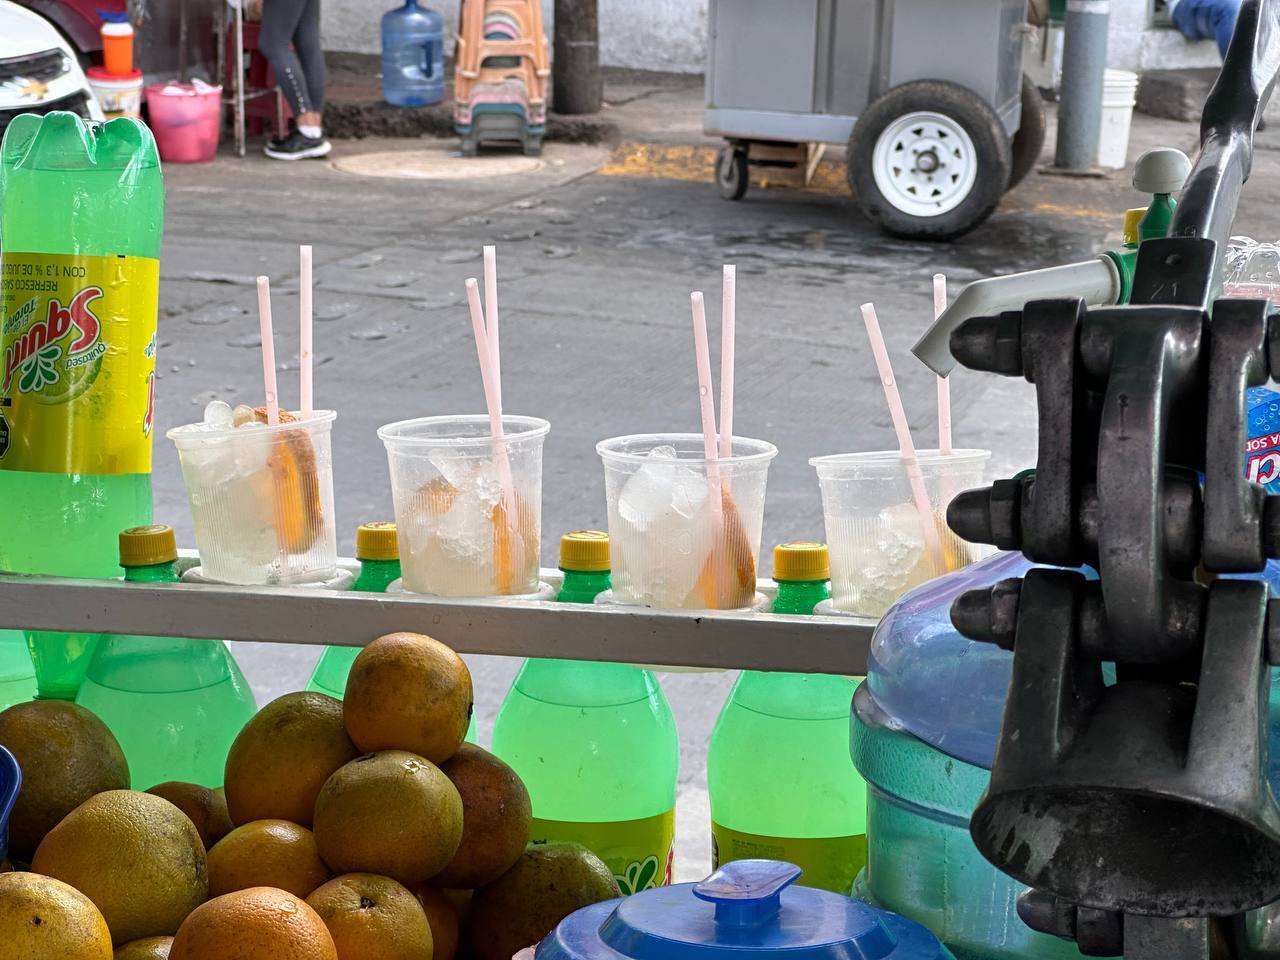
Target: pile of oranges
361 829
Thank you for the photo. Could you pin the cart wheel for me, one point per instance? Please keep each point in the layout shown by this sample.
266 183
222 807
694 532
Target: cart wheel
1029 140
732 178
929 160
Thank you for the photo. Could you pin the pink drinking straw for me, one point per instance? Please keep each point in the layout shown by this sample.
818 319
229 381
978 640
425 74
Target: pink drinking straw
944 385
268 351
905 446
728 325
489 375
491 313
706 406
304 330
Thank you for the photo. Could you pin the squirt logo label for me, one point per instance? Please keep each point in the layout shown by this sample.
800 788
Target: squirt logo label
55 353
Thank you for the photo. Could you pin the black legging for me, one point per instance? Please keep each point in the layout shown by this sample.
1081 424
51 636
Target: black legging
290 40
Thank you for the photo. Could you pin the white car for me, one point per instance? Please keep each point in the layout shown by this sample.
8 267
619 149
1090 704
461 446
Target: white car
39 71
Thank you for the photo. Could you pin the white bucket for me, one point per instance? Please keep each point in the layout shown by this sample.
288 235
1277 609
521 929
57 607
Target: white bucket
1119 93
118 96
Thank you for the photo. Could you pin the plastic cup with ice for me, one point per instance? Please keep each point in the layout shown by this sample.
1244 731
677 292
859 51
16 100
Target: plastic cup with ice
261 496
456 539
666 540
875 531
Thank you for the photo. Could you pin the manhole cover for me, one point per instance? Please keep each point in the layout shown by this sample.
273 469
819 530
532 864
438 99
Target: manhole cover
435 165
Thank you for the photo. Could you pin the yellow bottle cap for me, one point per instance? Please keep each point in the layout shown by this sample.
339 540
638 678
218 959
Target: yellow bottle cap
585 551
377 541
1132 218
801 561
148 546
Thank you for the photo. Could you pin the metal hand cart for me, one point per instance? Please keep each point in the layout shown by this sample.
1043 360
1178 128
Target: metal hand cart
929 98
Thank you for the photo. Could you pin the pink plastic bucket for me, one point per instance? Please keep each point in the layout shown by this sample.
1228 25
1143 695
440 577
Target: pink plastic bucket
186 121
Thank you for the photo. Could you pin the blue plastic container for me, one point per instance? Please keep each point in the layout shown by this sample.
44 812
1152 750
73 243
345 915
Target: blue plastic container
746 909
412 56
10 784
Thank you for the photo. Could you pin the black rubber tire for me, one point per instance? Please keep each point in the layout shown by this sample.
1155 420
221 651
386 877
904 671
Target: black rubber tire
991 147
732 176
1024 149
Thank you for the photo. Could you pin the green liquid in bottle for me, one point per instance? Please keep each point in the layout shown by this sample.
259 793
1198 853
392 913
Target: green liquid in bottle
93 197
17 674
330 674
174 704
781 781
596 745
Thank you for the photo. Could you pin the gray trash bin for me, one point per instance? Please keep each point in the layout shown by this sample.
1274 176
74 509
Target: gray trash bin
928 96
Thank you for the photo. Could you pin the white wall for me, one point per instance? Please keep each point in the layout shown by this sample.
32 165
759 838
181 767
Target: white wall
1132 45
667 35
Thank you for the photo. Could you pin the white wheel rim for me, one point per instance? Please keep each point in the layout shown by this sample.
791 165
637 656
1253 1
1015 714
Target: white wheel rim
924 164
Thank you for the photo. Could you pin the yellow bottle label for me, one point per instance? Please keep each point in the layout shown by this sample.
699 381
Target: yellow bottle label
829 863
79 344
641 853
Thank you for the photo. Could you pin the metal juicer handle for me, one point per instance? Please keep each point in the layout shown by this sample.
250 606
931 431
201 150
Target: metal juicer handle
1230 116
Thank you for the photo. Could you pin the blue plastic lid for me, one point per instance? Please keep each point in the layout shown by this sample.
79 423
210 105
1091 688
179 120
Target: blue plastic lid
746 908
10 782
113 16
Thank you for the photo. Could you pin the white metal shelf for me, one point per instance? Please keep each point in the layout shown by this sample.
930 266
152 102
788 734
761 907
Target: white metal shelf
505 627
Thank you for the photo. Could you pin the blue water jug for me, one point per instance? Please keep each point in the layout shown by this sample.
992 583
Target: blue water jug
412 56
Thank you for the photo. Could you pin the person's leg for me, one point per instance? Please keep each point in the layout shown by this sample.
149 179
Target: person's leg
306 41
1207 20
280 19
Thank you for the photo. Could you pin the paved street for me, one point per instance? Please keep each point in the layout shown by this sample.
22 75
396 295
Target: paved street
595 271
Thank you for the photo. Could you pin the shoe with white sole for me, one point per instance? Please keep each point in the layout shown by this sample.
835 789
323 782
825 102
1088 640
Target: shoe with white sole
298 146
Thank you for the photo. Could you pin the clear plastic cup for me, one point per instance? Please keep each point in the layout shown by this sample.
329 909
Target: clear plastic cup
672 545
458 537
874 531
261 499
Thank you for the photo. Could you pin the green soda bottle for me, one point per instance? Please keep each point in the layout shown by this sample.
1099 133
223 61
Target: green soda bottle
595 743
781 781
379 556
81 214
174 704
17 675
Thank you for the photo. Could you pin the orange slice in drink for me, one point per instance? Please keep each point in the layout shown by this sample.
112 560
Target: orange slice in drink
728 578
297 513
513 544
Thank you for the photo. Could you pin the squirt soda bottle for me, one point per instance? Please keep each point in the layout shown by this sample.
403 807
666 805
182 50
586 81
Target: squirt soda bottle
81 214
379 554
174 704
595 743
781 782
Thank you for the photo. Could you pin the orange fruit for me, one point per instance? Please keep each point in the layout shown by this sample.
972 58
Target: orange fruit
298 513
391 813
266 853
496 818
283 756
443 918
373 918
206 808
148 948
45 919
409 692
260 923
136 856
67 755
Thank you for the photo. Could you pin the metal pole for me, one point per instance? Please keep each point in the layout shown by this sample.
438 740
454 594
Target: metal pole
576 67
1084 60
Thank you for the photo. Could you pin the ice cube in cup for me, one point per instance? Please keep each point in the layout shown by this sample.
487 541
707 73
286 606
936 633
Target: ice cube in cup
459 537
261 496
666 548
